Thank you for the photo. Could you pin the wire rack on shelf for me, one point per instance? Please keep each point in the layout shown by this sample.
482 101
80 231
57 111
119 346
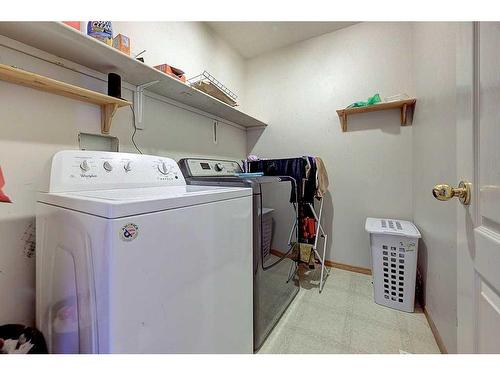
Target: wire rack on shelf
206 77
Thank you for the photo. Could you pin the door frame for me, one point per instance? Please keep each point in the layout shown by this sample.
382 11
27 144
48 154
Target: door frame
467 120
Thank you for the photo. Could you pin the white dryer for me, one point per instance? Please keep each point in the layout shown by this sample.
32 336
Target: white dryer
131 260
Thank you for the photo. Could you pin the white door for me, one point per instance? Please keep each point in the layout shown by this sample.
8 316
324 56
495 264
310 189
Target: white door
478 162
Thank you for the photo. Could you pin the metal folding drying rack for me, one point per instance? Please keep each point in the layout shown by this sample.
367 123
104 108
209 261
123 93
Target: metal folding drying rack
207 76
319 232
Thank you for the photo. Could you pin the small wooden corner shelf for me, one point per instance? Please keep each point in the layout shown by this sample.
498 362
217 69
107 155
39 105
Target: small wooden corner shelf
108 104
406 106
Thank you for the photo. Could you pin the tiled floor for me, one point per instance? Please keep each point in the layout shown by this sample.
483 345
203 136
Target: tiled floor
344 319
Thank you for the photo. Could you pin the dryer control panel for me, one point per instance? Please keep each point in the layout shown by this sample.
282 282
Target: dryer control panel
77 170
209 167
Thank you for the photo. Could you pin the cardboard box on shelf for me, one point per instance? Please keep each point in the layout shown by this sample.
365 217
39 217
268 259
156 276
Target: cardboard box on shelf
171 71
101 30
122 43
74 24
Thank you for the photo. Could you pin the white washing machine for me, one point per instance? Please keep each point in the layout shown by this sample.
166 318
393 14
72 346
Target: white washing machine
131 260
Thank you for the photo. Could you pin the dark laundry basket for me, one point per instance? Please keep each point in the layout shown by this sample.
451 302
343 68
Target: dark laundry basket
22 334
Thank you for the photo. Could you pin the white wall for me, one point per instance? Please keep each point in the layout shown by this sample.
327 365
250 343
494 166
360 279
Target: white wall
190 46
34 125
299 88
434 161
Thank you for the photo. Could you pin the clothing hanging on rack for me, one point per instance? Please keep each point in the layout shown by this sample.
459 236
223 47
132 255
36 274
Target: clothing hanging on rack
293 167
302 169
321 178
312 181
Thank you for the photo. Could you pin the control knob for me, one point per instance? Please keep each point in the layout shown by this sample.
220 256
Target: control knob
218 167
84 166
164 168
107 166
128 166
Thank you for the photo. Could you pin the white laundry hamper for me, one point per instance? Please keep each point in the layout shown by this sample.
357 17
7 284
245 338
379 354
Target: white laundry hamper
394 248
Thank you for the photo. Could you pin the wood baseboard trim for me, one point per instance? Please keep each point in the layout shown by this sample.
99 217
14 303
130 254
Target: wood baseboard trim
348 267
435 332
329 263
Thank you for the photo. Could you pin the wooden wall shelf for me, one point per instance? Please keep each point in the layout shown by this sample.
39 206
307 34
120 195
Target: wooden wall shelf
108 104
406 106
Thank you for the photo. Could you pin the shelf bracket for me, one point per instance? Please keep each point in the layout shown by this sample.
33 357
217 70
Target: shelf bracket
107 113
344 122
403 114
139 103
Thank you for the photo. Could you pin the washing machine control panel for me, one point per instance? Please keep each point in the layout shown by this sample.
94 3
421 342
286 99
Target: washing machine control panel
76 170
209 167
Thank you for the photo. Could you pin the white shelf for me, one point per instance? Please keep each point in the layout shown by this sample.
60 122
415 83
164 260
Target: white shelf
65 42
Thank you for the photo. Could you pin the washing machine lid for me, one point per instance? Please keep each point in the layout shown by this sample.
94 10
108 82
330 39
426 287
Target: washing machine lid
116 203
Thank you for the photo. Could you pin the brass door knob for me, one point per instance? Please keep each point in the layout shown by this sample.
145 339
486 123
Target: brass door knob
444 192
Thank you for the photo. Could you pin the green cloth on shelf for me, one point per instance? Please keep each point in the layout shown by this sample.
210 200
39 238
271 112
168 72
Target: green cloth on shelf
371 101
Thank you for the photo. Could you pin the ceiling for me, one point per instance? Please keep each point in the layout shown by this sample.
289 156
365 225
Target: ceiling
251 39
